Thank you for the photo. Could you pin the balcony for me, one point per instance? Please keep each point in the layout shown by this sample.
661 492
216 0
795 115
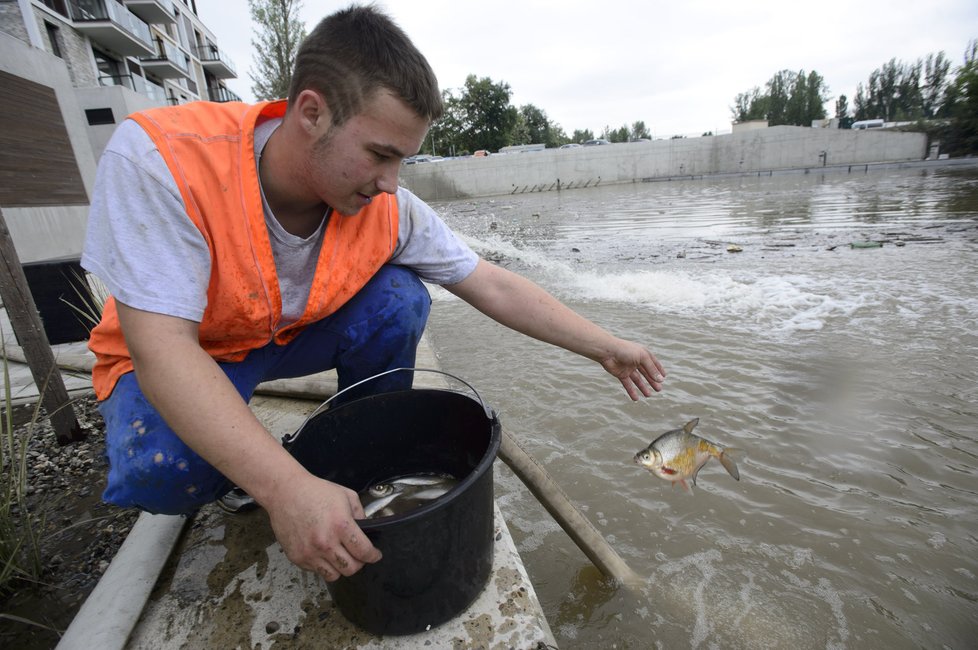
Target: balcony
169 61
154 12
221 94
112 25
137 84
215 62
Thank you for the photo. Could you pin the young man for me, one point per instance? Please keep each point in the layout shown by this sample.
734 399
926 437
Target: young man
244 243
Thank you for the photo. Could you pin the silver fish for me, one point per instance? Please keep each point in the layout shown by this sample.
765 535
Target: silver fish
374 507
381 490
430 494
422 481
679 454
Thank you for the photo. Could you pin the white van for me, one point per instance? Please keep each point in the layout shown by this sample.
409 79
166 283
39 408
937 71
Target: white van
867 124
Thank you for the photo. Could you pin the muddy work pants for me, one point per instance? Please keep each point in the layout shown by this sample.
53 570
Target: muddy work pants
151 468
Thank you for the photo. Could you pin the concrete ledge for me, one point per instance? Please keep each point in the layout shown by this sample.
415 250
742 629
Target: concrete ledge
230 585
226 582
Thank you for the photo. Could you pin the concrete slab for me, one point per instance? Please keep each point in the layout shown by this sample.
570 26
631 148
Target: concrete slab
228 584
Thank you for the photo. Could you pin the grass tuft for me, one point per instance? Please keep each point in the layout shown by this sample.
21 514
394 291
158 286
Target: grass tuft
20 555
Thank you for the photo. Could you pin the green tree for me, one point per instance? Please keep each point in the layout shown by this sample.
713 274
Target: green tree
616 135
818 94
477 116
277 34
750 105
444 134
963 105
488 118
639 131
790 98
581 136
558 136
934 90
842 112
532 126
906 91
778 92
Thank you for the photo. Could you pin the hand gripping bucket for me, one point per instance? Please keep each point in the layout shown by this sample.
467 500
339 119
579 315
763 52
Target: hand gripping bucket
438 557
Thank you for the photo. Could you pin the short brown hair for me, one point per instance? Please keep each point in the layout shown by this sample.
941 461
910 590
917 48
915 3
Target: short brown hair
353 53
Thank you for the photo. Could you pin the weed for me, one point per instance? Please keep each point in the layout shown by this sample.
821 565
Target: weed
20 556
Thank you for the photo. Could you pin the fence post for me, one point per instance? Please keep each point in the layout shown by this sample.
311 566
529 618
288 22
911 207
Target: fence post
22 312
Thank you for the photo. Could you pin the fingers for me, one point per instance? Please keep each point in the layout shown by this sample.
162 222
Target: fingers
645 376
343 560
358 546
317 531
654 373
348 549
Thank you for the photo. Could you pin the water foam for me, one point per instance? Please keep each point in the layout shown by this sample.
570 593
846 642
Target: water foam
770 303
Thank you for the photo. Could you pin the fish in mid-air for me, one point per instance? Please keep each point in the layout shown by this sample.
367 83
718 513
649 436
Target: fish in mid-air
680 454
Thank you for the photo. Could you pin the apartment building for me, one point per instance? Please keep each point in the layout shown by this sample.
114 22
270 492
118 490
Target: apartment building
70 70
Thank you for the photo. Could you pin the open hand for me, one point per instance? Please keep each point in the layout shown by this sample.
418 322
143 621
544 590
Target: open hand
639 372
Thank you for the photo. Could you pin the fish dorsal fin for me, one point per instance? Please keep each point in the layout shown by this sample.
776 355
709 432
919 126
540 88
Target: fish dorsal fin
689 426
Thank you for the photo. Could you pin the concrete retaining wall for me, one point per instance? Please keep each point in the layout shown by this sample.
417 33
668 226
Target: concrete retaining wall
775 148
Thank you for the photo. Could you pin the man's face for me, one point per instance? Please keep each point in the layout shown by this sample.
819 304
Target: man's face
353 162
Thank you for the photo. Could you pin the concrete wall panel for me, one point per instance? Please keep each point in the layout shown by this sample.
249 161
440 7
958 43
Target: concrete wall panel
752 151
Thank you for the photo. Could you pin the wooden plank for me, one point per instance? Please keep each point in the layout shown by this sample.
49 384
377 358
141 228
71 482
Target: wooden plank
26 323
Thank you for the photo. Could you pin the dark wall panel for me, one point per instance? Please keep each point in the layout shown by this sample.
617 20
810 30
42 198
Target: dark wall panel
37 163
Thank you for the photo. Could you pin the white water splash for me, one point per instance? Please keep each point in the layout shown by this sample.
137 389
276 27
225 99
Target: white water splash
768 303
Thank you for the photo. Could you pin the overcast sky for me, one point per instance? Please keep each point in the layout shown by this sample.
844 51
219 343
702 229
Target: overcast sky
677 65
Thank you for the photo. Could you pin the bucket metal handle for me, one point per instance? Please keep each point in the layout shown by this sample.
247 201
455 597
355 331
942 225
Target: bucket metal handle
325 405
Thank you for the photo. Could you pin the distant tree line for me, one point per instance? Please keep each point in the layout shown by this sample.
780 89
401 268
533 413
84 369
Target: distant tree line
939 100
479 115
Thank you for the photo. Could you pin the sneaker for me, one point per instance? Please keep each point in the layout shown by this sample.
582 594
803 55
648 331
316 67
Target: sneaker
237 501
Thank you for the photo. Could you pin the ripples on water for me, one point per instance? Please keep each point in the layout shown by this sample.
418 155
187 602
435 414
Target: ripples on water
850 377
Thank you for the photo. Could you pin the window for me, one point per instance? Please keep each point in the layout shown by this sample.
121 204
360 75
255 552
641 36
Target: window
98 116
109 69
58 6
52 31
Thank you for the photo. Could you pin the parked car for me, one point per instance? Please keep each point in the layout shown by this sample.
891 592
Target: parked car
596 141
570 145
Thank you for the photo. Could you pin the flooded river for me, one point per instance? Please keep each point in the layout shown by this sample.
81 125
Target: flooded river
849 376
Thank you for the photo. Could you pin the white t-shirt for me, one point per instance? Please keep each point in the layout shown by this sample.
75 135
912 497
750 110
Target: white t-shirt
142 244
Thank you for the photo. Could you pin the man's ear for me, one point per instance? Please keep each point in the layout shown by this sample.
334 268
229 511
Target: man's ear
312 111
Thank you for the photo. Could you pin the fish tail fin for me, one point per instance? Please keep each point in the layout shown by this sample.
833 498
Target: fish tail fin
728 458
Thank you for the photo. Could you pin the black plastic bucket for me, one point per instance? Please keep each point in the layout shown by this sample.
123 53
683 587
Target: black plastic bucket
438 557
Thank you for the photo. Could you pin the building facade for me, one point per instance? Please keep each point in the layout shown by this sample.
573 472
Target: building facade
70 70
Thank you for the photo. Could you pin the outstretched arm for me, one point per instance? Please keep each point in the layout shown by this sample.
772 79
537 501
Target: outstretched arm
519 304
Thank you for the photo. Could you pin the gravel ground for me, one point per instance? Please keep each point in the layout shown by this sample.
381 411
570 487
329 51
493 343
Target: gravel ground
80 535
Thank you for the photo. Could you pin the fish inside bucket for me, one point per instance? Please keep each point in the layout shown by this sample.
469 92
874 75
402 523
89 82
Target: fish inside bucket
438 551
402 494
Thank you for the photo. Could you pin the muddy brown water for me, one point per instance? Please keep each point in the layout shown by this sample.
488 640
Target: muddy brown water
849 375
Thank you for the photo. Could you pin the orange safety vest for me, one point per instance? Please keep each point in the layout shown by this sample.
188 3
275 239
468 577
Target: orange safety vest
209 149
